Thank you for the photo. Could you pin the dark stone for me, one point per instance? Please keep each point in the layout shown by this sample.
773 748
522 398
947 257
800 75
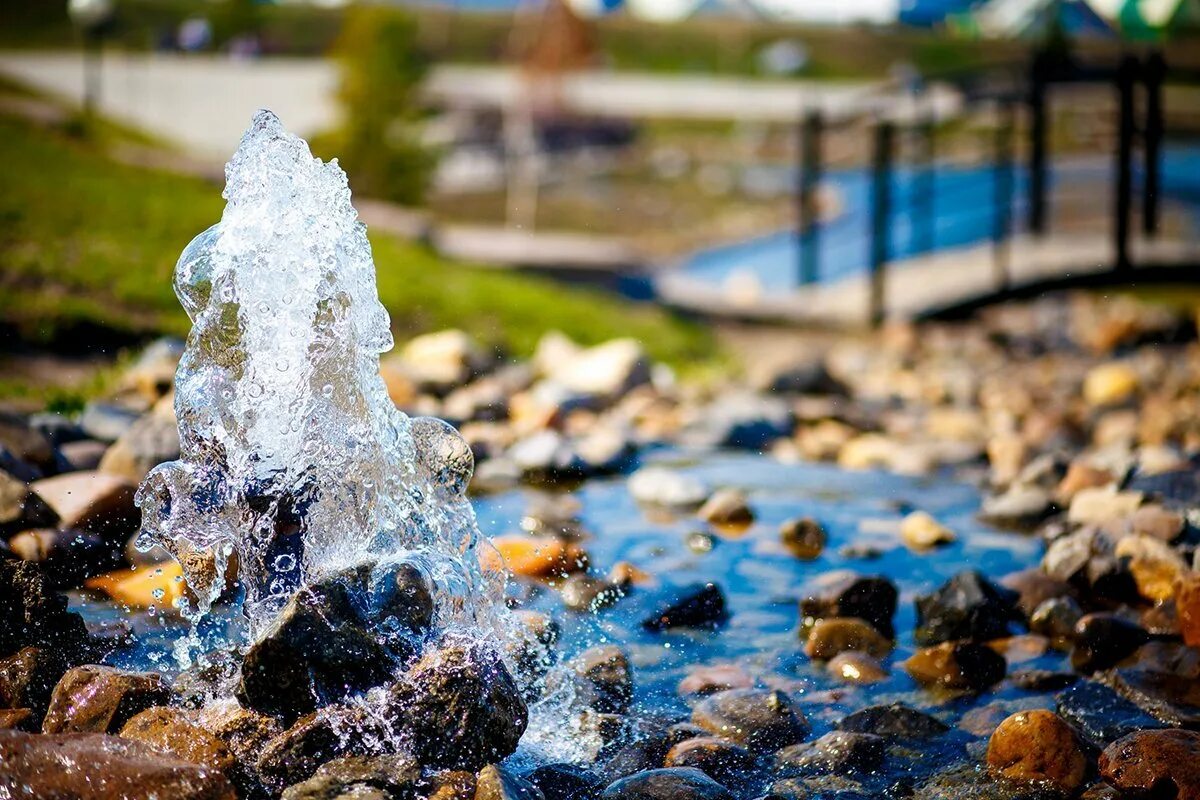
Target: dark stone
399 597
1177 488
968 606
893 722
682 731
697 605
582 592
459 707
25 443
33 615
837 752
1102 640
101 768
1101 715
759 719
68 557
725 762
392 775
1171 699
604 680
99 699
296 754
21 508
496 782
872 598
1034 587
1041 680
565 782
675 783
957 666
28 678
643 754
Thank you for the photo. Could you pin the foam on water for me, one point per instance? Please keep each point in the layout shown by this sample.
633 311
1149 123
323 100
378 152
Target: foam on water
293 459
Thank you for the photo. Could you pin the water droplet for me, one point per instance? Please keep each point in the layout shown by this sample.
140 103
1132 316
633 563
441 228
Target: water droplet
285 562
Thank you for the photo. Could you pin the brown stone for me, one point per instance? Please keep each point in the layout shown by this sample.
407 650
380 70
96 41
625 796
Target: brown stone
834 635
321 736
958 666
1165 763
722 760
1187 606
803 537
859 668
758 719
16 719
101 767
716 678
243 731
1038 746
533 556
1155 565
99 699
920 531
170 730
1081 476
91 501
727 508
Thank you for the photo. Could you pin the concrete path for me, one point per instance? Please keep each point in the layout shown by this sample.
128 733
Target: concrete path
924 285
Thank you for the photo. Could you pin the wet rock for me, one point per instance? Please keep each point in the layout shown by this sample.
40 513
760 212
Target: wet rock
21 508
726 507
1068 555
25 443
1104 507
958 666
460 708
99 699
1021 506
604 679
318 651
399 598
869 598
151 440
857 668
496 782
17 719
833 635
1110 384
607 371
803 537
892 722
723 761
355 776
565 782
1187 603
169 730
101 768
920 531
659 486
742 421
1154 564
535 556
106 422
674 783
1038 746
296 754
1041 680
968 606
837 752
1102 640
692 606
587 594
28 678
1056 619
758 719
68 557
1154 763
1034 587
91 501
243 731
1173 699
1099 714
705 680
32 614
642 754
808 378
443 360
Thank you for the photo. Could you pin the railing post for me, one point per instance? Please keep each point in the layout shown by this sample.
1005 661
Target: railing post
1037 143
809 180
1126 75
1002 184
1154 71
881 201
924 188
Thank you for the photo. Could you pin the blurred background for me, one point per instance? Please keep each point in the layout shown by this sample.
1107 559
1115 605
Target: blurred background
669 169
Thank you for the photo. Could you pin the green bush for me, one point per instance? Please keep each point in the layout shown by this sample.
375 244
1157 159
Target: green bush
382 66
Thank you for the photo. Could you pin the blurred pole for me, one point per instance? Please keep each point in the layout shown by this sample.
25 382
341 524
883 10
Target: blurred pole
1126 75
810 213
925 186
1037 143
881 201
1002 184
1154 71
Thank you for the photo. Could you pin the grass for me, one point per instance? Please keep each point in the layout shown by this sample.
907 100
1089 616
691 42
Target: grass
88 246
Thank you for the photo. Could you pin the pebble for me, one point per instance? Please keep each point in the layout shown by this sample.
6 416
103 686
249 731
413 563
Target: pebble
1019 507
674 783
1155 565
68 557
170 730
759 719
723 761
1103 506
957 666
100 699
586 594
695 605
1165 763
1081 475
1187 604
91 501
856 668
106 422
1103 639
604 679
1038 746
920 531
659 486
893 722
871 598
968 606
705 680
1110 384
727 507
803 537
20 508
534 556
1101 715
837 752
834 635
1056 618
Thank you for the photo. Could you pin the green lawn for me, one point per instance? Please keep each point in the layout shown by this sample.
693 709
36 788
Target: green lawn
88 243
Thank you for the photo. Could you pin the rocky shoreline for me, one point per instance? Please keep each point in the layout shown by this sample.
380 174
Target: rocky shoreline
1077 417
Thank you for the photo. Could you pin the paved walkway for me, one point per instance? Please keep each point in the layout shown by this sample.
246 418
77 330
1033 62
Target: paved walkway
923 285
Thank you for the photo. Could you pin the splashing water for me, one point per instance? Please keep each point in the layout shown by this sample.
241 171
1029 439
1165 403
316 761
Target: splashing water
294 460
